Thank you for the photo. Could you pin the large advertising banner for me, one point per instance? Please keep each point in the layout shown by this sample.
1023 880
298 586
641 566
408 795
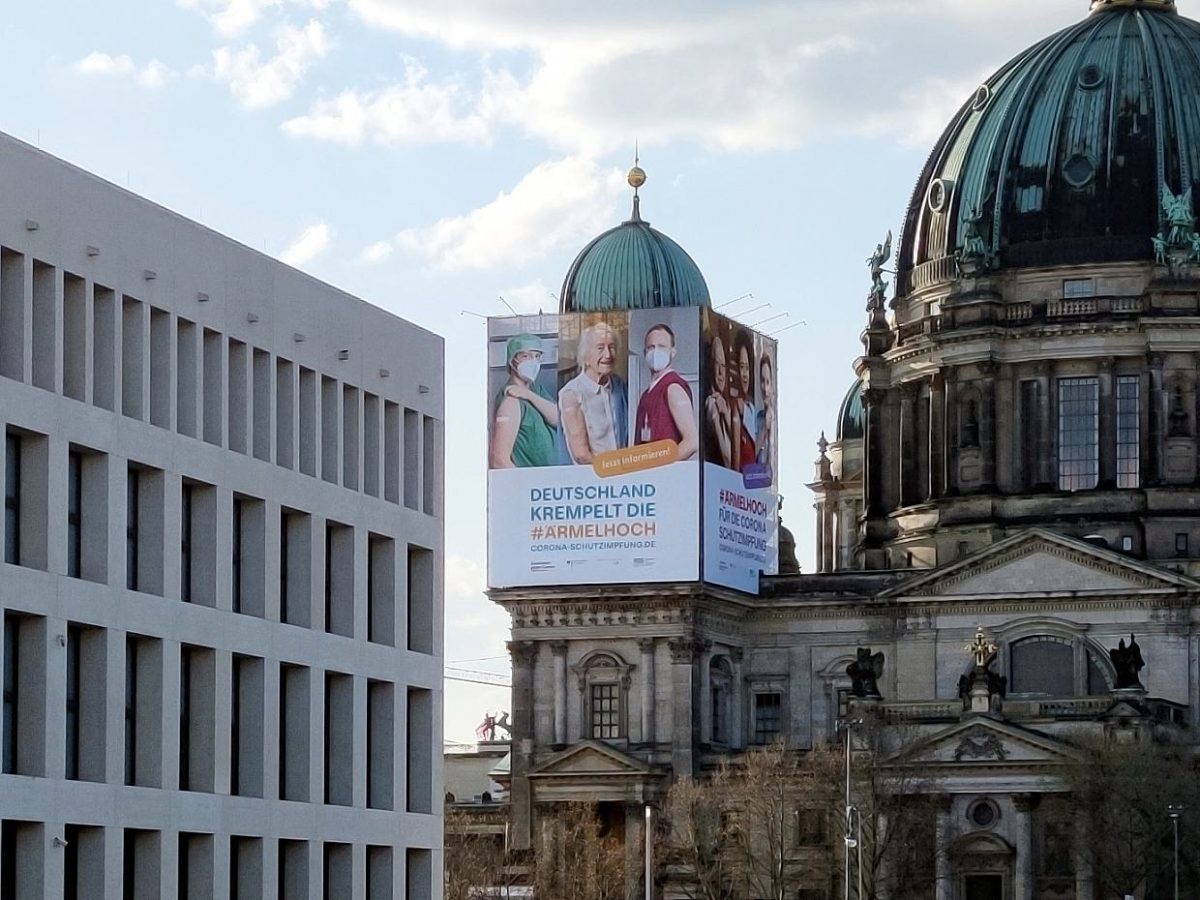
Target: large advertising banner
594 448
740 448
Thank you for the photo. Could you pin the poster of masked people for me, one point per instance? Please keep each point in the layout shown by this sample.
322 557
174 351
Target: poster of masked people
739 445
594 448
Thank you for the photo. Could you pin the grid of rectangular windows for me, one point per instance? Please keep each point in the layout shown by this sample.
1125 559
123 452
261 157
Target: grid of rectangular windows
606 709
768 717
1128 431
1078 433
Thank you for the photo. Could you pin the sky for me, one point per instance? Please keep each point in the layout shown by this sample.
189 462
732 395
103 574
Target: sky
435 157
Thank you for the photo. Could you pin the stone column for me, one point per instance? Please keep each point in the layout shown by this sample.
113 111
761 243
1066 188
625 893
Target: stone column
705 692
559 649
685 655
822 522
646 646
1154 448
1047 468
524 656
987 426
873 437
736 693
907 461
1084 886
1108 425
943 874
937 434
950 434
1023 868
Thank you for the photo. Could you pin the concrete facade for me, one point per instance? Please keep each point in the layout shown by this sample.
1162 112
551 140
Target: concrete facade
222 582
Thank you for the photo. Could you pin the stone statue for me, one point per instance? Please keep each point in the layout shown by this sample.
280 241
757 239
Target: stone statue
1160 249
502 722
1179 424
1127 660
865 673
973 256
883 252
970 431
1178 212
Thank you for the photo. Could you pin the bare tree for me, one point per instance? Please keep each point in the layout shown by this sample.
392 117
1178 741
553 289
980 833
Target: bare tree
742 833
477 866
1123 793
577 859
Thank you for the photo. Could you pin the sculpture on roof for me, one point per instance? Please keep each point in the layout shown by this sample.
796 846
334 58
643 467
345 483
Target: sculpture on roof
1127 660
1181 244
883 252
973 256
865 672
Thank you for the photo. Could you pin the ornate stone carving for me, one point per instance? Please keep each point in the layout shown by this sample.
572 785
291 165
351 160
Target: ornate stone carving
979 743
865 672
685 650
646 645
523 653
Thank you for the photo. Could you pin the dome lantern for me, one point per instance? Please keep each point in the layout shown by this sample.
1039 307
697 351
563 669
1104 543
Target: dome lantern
1103 5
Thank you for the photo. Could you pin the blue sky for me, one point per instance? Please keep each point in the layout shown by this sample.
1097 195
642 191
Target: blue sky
431 157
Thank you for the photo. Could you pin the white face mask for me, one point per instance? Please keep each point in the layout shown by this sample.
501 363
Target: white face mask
658 359
529 369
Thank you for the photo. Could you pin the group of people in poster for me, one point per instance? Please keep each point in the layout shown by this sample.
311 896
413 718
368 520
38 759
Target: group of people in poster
606 381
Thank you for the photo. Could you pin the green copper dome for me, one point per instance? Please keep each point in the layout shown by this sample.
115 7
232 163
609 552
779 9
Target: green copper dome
632 266
1063 155
852 415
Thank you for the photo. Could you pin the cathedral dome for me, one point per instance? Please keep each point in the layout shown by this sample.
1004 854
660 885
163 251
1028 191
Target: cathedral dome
1062 157
632 266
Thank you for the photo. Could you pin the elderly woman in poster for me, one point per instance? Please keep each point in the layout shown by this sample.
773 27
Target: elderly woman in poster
594 405
525 417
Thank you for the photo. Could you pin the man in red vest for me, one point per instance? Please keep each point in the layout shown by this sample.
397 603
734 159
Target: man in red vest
664 411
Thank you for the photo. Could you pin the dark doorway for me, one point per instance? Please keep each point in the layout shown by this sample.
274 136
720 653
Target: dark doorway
984 887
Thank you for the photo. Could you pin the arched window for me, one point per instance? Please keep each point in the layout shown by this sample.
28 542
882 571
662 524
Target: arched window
720 683
604 687
1054 666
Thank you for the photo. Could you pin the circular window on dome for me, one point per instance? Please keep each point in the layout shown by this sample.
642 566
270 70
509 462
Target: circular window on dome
983 814
983 96
1079 171
939 194
1091 76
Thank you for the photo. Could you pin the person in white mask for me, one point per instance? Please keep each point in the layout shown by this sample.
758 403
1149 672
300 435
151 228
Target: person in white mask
664 411
526 418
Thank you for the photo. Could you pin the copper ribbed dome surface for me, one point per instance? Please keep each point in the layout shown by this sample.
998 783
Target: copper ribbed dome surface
1062 155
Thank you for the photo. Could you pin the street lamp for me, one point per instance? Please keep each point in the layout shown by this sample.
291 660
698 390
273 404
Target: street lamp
1174 812
649 853
847 725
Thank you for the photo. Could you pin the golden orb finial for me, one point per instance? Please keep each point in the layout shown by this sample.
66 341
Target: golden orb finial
636 177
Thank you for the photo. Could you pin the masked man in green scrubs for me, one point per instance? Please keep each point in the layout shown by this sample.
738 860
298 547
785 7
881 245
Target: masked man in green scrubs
526 419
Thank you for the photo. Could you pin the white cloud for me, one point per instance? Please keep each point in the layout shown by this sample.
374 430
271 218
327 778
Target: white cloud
376 252
256 82
232 17
757 75
412 111
557 203
308 245
103 65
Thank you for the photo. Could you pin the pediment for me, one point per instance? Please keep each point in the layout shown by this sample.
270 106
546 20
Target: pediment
988 742
1042 562
591 758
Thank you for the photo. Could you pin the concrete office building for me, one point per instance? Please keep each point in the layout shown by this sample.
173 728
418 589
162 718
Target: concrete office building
221 587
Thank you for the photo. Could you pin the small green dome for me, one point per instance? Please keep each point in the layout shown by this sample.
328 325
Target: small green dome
632 266
852 416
